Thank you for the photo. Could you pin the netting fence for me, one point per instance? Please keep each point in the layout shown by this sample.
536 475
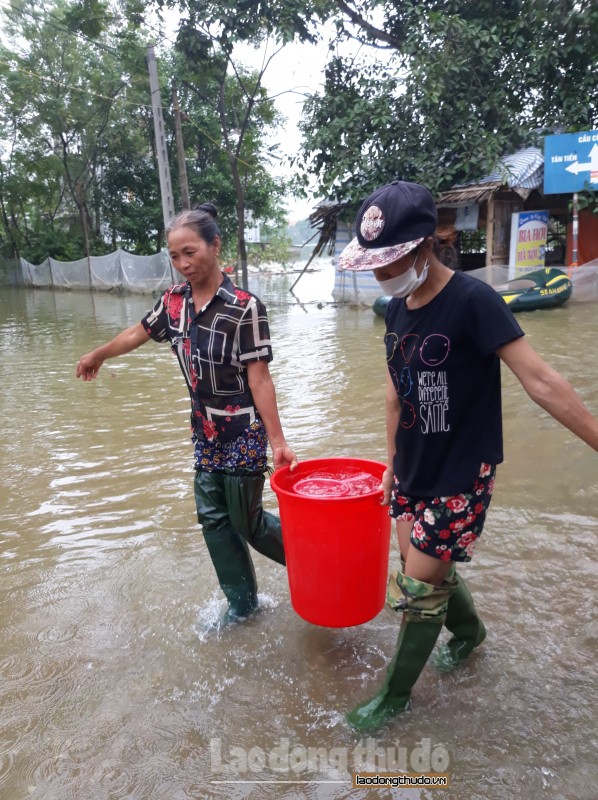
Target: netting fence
124 272
10 271
118 271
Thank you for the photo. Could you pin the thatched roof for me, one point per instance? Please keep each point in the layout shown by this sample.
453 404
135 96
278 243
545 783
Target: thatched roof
477 194
324 218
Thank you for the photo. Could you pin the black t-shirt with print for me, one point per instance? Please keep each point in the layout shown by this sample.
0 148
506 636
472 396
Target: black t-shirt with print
441 359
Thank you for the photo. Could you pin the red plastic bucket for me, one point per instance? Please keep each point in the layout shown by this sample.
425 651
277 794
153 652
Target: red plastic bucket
336 546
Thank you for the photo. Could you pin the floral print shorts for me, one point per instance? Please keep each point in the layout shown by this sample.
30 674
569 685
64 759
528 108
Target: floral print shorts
446 527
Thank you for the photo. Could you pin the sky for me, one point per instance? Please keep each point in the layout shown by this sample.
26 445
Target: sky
294 71
297 69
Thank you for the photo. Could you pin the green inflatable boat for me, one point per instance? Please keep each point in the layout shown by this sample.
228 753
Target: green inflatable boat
542 288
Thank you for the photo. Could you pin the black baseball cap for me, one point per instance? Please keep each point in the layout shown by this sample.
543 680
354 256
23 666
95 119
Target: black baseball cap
390 223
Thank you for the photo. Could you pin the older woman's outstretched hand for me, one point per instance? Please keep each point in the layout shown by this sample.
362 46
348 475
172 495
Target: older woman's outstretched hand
88 366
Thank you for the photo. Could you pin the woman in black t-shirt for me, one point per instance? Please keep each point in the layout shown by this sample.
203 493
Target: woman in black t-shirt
446 334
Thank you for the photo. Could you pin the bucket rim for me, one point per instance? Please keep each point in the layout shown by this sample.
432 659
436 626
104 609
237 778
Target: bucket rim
283 471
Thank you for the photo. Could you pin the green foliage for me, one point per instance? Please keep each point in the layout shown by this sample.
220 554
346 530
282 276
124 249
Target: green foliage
467 83
228 116
70 117
587 201
131 204
460 84
78 169
300 232
87 17
231 21
274 248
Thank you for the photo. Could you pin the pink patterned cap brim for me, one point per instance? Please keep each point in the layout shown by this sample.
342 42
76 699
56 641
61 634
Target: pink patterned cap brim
356 258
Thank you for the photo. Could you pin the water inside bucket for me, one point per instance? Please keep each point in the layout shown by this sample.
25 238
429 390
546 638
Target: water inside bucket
336 484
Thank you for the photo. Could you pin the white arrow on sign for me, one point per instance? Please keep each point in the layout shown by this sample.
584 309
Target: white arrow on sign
589 166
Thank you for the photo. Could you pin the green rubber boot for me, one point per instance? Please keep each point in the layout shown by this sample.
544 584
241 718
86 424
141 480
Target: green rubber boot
421 624
467 628
260 528
236 575
228 550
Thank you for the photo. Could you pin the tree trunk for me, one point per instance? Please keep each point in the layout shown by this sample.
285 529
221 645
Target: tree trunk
9 229
241 245
239 191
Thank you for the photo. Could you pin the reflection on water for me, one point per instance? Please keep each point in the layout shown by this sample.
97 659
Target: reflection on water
110 686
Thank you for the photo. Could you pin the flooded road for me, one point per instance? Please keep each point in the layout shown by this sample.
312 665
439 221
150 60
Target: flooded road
111 688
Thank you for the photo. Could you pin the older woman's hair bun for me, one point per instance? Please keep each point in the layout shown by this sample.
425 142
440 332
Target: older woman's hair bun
201 218
209 208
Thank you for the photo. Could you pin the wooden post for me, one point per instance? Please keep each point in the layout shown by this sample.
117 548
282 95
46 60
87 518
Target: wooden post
180 149
490 232
161 150
574 233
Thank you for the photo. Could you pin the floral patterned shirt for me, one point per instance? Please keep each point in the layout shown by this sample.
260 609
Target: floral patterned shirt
213 347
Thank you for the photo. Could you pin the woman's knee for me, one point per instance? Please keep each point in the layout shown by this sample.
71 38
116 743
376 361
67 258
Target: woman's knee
425 568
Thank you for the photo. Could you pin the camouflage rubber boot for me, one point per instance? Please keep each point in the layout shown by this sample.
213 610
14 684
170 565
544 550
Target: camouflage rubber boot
423 617
395 599
467 628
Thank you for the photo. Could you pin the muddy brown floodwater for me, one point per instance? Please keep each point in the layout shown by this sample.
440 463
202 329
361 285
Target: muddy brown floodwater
111 689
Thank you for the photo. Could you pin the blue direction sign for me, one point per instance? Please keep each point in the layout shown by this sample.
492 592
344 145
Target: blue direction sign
570 162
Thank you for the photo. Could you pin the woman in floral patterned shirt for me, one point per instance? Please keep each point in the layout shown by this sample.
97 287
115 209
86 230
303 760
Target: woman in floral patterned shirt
219 335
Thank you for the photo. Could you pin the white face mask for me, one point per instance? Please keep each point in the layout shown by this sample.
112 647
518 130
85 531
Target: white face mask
405 284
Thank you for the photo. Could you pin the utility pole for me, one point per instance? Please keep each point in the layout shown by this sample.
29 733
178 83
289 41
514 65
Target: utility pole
163 168
180 149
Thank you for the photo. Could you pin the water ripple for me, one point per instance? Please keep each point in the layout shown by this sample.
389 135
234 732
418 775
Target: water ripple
111 686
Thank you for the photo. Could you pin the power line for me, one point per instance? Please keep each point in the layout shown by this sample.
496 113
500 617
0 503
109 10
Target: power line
91 93
116 55
79 34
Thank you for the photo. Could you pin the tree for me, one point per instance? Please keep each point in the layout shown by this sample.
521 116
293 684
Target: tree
231 102
65 115
78 164
462 83
64 139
